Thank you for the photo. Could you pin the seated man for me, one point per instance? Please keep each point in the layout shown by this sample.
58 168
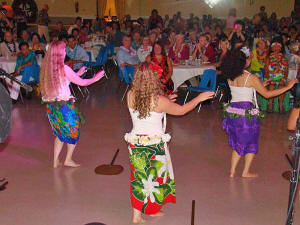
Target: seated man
204 50
77 25
76 53
126 55
113 36
25 37
25 58
9 47
62 32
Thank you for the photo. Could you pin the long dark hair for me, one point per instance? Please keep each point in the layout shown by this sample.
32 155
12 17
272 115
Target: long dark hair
233 64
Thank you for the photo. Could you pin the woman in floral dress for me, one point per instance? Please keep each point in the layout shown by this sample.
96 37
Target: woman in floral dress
277 70
163 66
152 177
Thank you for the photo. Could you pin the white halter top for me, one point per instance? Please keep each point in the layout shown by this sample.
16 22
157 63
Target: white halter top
244 94
155 124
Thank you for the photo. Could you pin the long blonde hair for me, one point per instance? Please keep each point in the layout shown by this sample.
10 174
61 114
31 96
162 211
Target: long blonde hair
52 70
146 88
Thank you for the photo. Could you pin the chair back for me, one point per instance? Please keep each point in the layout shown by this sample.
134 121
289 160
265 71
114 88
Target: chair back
100 55
262 75
31 74
104 56
128 74
209 80
111 49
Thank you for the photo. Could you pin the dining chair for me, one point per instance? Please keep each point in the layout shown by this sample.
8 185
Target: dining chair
128 74
207 83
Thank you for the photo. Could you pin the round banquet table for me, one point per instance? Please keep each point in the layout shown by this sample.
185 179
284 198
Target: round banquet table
182 73
8 64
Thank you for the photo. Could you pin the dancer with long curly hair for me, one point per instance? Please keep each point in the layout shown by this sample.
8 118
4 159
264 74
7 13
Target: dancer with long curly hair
152 177
55 79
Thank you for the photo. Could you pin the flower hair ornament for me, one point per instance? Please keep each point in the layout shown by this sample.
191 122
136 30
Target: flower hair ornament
276 43
246 51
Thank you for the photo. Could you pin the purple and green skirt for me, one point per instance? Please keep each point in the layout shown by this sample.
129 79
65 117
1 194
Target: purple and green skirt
243 132
64 121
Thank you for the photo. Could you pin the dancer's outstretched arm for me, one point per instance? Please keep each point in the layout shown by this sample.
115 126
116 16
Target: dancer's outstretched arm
166 105
74 78
259 87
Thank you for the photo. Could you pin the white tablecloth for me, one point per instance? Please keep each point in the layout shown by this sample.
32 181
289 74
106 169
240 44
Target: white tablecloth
182 73
8 64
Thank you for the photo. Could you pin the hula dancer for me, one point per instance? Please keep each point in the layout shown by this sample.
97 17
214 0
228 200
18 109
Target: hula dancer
152 178
242 114
55 79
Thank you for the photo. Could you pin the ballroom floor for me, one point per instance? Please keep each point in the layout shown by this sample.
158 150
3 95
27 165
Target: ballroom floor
39 195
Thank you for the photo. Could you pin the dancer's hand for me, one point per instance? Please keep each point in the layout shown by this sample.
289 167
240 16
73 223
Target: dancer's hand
172 97
292 82
81 71
266 82
206 95
99 75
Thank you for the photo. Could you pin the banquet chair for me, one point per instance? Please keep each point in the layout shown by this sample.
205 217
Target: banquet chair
101 59
208 83
111 53
128 73
31 75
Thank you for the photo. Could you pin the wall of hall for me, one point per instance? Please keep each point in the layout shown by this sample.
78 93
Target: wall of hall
143 8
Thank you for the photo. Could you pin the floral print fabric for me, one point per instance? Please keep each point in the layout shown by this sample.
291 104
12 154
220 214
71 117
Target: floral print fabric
152 177
64 121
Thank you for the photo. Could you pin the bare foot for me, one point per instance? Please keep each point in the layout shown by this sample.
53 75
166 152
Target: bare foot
159 214
249 175
56 164
71 164
231 175
138 220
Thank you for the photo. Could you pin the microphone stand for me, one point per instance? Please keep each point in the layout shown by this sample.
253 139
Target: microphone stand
3 73
294 174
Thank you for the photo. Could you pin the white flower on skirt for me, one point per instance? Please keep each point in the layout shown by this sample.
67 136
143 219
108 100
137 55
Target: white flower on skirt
164 161
149 188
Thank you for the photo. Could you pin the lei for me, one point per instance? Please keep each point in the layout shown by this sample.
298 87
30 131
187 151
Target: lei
176 52
7 45
157 70
261 56
278 63
238 113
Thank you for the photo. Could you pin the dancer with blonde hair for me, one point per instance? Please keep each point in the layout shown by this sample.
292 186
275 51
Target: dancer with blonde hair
152 177
55 79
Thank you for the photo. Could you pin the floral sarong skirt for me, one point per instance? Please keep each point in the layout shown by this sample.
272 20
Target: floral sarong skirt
64 121
152 178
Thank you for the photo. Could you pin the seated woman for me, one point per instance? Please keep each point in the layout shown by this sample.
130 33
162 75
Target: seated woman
145 49
162 65
9 47
179 51
36 45
276 69
258 63
25 58
152 178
